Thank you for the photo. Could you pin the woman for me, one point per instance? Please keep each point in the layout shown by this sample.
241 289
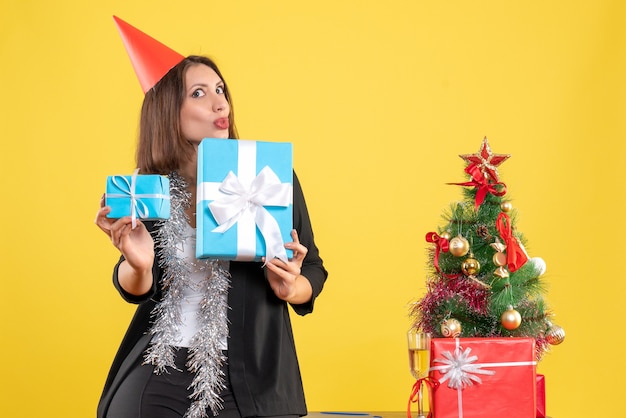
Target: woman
231 352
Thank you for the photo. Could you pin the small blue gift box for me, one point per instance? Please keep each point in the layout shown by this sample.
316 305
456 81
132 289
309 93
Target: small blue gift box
145 196
244 208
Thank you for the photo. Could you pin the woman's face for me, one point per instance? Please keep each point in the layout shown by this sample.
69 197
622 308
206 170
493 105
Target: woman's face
204 112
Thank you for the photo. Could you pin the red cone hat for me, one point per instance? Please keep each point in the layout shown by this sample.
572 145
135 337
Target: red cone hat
150 58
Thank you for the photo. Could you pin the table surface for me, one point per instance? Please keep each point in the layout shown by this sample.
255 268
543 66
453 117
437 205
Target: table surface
358 414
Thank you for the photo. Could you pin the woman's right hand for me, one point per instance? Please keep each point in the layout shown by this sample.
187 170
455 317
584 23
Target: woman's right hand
136 245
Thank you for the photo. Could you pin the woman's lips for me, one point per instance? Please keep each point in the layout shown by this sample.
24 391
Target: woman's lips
221 123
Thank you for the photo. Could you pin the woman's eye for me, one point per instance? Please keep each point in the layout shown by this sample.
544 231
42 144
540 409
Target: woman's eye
219 90
197 93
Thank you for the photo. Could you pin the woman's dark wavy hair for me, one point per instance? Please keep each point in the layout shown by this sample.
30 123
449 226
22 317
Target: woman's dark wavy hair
162 147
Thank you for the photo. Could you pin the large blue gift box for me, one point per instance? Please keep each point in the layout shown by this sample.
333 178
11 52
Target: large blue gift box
244 208
145 196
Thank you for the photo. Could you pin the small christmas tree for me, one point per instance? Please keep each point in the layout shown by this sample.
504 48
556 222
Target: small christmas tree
481 281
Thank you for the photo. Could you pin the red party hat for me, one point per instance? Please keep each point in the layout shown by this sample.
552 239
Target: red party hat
150 58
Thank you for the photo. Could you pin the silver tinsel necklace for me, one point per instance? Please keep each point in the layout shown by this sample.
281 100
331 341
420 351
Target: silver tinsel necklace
205 358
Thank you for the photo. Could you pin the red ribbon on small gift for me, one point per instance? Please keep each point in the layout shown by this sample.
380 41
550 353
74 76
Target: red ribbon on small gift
441 244
415 394
516 257
482 184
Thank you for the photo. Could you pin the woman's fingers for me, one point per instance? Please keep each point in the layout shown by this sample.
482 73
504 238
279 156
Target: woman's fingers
116 229
284 269
120 230
119 235
299 250
136 245
102 221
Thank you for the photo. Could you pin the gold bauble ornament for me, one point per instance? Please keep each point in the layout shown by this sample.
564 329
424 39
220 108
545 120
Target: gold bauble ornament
446 235
511 319
459 246
451 328
555 335
470 266
506 206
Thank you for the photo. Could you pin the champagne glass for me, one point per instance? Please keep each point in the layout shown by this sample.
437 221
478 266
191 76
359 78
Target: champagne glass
419 361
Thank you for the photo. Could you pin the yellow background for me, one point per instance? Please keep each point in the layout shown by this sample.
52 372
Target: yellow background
378 98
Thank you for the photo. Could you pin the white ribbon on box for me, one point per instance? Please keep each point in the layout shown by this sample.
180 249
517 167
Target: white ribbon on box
241 199
137 206
461 371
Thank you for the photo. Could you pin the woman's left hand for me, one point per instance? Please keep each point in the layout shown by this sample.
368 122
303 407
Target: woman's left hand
285 278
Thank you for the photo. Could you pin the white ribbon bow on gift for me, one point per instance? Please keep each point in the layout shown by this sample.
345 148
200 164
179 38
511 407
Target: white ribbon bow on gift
241 202
459 368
